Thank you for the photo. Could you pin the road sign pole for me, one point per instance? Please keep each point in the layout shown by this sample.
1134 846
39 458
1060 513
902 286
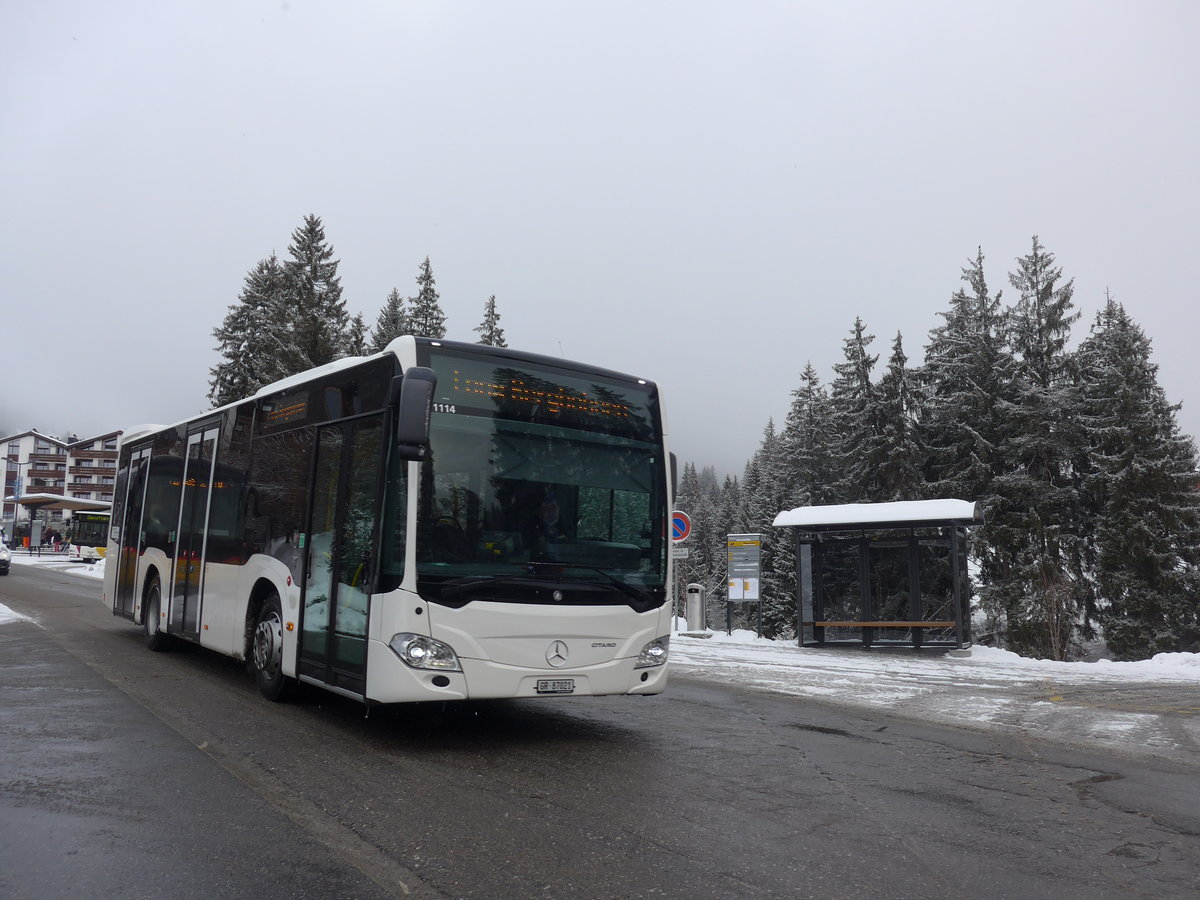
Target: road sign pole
681 527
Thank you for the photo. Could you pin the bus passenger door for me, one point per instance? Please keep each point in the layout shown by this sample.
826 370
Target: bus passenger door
338 564
191 532
130 535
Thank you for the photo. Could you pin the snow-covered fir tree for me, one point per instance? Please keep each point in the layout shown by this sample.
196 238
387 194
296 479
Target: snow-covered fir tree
356 336
425 315
318 316
809 438
806 447
253 337
725 513
1089 489
855 408
1035 588
764 493
900 455
391 322
967 375
700 496
490 332
968 371
1141 499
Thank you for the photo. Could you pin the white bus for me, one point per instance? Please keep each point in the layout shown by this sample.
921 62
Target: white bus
439 521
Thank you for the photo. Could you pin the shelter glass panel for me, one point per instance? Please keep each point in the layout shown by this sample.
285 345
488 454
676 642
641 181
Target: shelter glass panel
841 587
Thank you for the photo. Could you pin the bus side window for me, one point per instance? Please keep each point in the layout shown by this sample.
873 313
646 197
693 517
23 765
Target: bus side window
257 527
279 480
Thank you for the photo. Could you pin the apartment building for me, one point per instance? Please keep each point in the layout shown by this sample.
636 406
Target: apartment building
44 464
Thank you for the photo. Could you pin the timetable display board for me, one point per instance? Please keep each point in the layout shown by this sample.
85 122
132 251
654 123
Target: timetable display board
745 566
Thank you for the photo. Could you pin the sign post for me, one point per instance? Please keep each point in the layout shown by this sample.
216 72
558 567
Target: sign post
744 572
681 527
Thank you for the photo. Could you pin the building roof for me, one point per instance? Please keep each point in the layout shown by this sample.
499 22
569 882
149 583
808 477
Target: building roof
58 501
903 514
33 432
68 442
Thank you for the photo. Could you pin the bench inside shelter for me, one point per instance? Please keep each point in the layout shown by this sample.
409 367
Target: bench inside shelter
883 573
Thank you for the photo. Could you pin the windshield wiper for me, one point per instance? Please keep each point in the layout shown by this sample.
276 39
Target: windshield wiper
458 586
641 594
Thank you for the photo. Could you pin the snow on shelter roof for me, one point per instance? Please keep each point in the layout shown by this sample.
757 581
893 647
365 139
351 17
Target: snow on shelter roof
58 501
848 516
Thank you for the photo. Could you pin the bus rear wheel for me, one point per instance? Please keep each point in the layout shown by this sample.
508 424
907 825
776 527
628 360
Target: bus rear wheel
156 639
268 651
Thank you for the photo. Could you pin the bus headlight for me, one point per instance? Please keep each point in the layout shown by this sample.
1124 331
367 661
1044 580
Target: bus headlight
421 652
654 653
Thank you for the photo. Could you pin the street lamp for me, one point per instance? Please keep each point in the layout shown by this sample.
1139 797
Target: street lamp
16 496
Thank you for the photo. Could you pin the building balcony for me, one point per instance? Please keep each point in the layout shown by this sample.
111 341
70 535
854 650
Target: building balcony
90 470
95 454
48 457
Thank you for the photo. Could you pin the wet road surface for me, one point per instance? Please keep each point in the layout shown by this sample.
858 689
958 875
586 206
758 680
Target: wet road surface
130 774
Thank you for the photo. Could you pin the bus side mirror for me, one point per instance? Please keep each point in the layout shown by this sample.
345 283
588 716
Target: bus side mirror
412 394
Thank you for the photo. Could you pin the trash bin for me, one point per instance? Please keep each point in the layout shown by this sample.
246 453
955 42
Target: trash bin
695 608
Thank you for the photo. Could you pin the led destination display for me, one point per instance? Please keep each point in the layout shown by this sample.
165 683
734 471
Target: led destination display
539 394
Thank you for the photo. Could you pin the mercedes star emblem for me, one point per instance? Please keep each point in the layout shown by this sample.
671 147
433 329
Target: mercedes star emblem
556 654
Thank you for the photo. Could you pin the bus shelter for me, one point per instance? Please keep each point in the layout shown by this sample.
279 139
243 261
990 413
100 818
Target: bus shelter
35 503
883 573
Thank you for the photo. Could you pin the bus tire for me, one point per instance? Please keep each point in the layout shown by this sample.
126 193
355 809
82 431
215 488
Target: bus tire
156 639
268 650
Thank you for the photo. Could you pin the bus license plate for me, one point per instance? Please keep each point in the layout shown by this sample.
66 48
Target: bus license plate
556 686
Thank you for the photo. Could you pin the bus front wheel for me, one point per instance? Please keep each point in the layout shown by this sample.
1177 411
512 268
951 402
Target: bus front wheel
268 650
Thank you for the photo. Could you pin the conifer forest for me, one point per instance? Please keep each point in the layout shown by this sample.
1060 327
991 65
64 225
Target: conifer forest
1089 489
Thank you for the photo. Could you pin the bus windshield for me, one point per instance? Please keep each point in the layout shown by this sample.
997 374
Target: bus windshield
89 529
541 474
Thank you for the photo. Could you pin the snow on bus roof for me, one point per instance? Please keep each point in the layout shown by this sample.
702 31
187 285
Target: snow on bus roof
962 512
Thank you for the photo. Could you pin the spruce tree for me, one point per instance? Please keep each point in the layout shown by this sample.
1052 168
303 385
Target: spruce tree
490 332
1036 586
688 499
391 323
968 373
763 496
700 497
900 456
318 317
808 441
806 444
857 443
253 337
725 522
356 336
1142 506
425 316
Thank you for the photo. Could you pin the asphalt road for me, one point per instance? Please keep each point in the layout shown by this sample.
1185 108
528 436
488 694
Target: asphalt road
125 773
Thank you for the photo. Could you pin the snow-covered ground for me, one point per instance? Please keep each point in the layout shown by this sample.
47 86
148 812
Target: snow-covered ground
58 561
1149 707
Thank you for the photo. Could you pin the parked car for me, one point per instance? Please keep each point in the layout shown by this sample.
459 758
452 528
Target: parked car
5 558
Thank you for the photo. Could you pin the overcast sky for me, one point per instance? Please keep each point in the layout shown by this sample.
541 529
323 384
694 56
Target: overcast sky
703 194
